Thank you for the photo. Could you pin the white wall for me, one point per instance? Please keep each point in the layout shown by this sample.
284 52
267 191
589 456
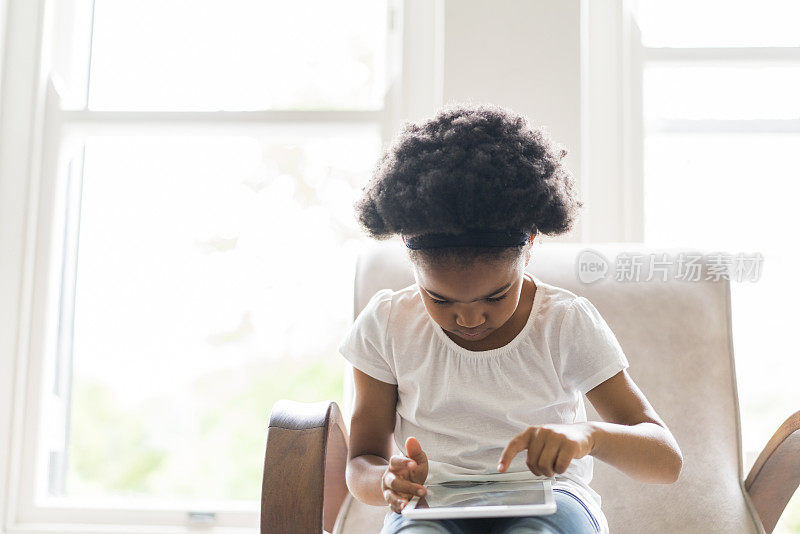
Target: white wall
521 54
560 63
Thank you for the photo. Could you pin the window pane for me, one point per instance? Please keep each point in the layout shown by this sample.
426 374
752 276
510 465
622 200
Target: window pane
726 190
689 23
214 278
238 55
752 91
737 193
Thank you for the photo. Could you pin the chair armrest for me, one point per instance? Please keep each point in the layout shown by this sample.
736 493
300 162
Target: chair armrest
304 468
775 475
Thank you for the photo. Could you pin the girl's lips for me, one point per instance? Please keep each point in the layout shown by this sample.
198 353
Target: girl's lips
477 334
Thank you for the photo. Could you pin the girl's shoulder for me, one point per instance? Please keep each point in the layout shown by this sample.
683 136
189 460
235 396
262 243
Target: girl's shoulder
388 306
563 311
571 314
387 299
402 312
555 300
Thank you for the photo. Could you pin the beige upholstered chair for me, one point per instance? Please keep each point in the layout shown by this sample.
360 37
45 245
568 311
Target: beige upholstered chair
677 337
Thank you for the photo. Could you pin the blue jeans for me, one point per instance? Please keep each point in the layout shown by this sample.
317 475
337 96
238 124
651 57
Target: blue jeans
571 517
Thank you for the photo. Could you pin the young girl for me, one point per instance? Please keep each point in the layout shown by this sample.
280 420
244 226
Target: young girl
479 368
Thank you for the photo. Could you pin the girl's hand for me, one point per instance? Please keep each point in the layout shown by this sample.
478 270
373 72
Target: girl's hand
550 447
405 475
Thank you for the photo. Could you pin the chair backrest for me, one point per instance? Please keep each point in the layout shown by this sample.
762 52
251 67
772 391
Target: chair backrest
677 337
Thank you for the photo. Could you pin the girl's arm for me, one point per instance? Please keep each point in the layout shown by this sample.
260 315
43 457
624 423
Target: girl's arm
632 437
371 430
363 476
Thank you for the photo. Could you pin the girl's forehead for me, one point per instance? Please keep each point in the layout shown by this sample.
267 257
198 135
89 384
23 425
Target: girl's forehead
470 270
466 283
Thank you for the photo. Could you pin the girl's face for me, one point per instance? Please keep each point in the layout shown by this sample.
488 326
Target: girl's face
474 302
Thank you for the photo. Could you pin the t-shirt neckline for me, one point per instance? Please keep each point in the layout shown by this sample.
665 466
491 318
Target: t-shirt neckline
452 345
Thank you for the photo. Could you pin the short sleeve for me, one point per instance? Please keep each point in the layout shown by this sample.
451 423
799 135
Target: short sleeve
588 351
365 346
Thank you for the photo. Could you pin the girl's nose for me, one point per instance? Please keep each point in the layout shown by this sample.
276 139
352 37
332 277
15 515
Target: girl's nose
470 322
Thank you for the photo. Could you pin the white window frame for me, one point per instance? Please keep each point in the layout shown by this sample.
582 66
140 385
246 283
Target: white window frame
738 55
31 199
611 123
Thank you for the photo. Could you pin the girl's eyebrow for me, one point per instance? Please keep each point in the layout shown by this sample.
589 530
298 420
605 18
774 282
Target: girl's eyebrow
493 293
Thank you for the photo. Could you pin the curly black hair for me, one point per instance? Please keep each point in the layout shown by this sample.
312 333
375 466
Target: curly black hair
470 166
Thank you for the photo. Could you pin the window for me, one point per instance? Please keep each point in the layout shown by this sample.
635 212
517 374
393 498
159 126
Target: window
722 127
196 245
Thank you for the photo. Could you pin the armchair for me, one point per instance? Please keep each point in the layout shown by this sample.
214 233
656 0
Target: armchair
677 337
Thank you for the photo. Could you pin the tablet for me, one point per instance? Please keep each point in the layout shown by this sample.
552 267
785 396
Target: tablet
455 500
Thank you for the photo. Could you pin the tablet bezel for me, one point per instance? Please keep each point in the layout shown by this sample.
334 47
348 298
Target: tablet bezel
457 512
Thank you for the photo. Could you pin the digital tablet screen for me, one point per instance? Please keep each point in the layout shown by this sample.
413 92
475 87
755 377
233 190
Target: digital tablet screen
480 493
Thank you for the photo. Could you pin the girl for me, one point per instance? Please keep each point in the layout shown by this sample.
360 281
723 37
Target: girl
478 360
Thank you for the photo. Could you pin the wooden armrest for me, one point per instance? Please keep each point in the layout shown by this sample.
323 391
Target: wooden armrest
775 475
304 468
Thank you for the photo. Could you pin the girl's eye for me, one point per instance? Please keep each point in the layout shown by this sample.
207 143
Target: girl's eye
497 299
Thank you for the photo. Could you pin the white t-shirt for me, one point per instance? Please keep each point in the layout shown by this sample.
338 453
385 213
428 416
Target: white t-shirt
465 406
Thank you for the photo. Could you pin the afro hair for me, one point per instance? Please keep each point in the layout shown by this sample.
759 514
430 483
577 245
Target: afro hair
470 166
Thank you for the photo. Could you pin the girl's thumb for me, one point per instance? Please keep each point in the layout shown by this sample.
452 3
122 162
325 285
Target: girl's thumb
414 449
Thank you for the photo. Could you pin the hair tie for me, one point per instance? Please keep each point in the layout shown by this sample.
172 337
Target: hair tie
470 238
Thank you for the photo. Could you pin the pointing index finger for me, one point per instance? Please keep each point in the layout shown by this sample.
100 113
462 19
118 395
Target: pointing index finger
517 444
